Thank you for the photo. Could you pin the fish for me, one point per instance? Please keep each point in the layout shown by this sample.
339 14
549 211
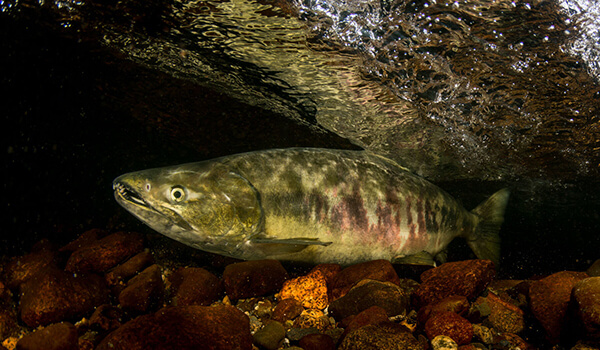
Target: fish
309 205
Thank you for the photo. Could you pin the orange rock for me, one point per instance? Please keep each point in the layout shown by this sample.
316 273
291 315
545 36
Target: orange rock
310 290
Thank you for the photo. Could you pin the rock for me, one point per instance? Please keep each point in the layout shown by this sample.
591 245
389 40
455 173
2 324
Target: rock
442 342
312 318
503 316
370 293
465 278
270 336
21 269
483 333
512 341
8 321
372 315
473 346
58 336
449 324
586 300
8 313
582 345
328 271
379 270
455 303
106 318
130 268
594 269
55 295
144 292
310 290
295 334
184 327
85 239
385 336
253 278
195 286
264 309
105 253
317 342
550 300
287 309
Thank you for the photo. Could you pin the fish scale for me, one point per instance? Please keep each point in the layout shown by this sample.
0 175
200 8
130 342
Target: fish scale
307 204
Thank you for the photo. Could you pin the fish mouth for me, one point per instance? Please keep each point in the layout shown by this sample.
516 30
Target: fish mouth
125 193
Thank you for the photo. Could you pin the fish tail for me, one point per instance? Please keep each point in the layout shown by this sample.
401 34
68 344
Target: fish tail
485 239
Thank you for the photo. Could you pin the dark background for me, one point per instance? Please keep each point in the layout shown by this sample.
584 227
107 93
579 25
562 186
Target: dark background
76 115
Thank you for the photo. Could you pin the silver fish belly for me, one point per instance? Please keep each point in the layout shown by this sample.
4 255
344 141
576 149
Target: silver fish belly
311 205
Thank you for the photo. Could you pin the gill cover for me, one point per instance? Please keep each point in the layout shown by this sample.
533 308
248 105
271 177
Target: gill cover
224 205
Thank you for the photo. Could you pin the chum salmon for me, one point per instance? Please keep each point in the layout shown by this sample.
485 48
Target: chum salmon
311 205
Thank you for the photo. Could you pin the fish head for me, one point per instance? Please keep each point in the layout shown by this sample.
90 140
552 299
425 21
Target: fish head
205 205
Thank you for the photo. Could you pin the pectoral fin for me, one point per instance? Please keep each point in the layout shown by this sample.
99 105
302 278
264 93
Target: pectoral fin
273 246
422 258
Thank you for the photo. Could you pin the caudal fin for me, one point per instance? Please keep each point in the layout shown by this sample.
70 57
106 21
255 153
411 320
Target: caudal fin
485 240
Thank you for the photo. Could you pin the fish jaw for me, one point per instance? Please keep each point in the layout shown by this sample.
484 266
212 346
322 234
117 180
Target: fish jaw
127 192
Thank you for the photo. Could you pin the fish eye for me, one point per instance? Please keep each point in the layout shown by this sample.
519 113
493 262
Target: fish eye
177 194
148 187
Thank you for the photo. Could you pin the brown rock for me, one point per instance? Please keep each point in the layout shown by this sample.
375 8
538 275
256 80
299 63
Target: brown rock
195 286
449 324
58 336
594 269
8 321
586 299
503 316
550 300
310 290
54 295
21 269
105 253
106 318
8 313
455 303
253 278
372 315
287 309
384 336
144 292
316 342
379 270
465 278
369 293
85 239
184 327
328 271
130 268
